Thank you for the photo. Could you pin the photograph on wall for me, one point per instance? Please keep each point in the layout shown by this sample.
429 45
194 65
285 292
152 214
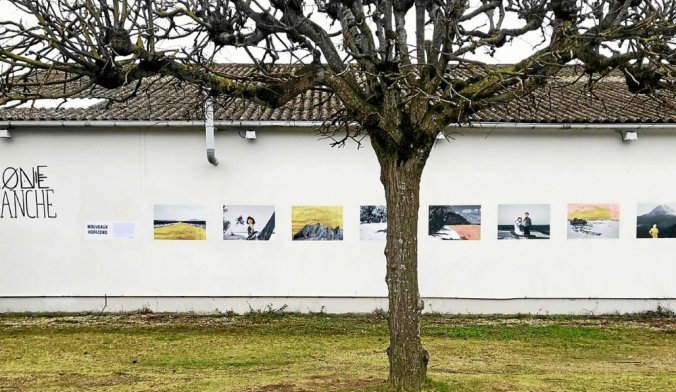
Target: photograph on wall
593 221
317 223
252 223
656 220
458 222
523 221
179 222
373 222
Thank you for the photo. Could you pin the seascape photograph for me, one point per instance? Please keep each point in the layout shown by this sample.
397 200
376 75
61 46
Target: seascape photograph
523 222
372 223
589 221
455 222
656 220
179 222
317 223
248 223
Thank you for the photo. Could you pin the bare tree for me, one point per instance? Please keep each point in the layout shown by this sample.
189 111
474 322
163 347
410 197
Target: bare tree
402 69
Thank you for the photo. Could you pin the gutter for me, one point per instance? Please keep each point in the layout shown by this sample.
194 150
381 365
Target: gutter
233 124
565 126
221 124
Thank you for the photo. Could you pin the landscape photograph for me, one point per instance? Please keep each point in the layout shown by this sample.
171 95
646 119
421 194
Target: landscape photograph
179 222
588 221
248 223
523 221
317 223
372 222
655 220
455 222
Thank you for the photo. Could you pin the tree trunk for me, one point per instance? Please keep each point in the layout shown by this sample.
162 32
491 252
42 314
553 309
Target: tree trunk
401 179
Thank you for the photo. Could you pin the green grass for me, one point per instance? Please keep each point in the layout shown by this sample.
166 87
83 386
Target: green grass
276 351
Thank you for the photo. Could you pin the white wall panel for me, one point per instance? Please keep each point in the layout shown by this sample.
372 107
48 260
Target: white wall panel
117 176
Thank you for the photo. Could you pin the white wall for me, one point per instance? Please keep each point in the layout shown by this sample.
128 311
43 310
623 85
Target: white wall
119 175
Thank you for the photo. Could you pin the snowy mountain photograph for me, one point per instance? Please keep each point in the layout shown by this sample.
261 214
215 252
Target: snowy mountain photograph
656 220
317 223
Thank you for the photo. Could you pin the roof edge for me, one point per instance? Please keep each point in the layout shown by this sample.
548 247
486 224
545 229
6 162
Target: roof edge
224 124
151 123
566 126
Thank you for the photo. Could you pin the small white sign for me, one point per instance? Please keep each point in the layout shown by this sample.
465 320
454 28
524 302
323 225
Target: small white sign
124 230
111 230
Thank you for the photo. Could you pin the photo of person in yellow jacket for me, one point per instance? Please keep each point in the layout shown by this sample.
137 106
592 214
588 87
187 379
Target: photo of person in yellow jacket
654 232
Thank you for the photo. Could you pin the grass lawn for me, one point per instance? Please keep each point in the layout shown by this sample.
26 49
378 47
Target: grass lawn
273 351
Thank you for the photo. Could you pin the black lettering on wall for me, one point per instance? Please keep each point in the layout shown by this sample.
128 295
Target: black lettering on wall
25 193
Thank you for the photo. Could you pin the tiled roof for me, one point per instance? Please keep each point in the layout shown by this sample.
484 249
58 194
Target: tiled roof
166 100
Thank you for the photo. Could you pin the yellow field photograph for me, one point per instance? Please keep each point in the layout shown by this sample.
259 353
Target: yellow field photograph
180 231
317 223
179 222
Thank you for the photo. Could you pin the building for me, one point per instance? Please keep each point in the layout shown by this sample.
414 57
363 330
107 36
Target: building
86 188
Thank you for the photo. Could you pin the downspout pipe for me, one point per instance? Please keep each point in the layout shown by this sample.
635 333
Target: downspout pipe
209 129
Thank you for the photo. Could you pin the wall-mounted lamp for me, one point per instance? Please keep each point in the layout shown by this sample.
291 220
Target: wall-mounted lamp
250 135
629 136
5 133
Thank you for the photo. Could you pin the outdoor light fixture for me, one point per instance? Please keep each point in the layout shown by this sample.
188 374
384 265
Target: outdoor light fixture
629 136
250 135
5 133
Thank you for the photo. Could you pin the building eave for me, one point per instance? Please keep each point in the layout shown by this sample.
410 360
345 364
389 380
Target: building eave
232 124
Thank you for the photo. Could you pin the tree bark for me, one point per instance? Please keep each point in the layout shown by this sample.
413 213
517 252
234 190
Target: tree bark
401 178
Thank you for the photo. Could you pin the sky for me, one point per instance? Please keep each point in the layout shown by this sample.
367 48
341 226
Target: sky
539 213
467 209
614 209
645 208
261 214
471 212
510 53
179 212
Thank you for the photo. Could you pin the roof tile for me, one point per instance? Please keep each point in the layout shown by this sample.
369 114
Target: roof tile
166 100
